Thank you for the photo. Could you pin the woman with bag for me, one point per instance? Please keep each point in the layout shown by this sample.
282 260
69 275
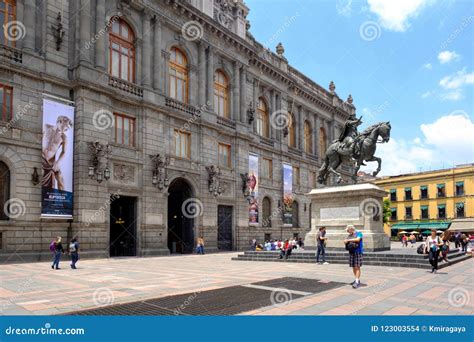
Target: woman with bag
433 244
445 247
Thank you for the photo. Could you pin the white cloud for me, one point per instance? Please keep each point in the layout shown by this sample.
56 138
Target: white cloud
446 142
426 94
457 80
344 7
448 56
395 15
454 95
428 66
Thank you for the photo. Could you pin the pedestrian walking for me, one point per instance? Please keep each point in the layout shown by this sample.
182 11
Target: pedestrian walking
457 239
433 244
200 245
445 238
74 252
464 242
321 244
354 244
58 250
412 240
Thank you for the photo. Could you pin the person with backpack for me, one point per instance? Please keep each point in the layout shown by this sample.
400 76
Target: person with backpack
58 250
354 245
74 252
433 244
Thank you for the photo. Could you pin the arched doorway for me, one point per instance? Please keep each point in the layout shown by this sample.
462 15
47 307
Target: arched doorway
181 212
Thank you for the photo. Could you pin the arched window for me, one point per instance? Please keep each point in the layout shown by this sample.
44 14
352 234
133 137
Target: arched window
266 212
122 50
291 131
7 15
308 138
295 214
178 75
221 94
322 142
4 189
263 121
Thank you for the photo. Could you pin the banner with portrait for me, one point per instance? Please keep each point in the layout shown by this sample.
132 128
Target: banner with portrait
253 189
287 194
57 160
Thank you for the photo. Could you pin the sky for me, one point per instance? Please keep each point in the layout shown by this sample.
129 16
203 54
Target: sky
409 62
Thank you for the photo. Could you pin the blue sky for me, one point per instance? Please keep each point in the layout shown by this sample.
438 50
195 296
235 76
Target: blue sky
406 61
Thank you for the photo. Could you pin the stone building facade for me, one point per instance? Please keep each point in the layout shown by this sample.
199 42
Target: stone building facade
182 79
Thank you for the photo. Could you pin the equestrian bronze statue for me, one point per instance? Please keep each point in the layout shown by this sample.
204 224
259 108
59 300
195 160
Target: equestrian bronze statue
352 146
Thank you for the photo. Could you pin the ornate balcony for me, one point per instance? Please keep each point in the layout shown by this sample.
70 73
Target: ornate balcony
125 86
11 53
181 106
226 122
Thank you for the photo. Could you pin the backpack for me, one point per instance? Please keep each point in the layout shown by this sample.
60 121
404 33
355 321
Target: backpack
352 246
52 246
72 247
421 249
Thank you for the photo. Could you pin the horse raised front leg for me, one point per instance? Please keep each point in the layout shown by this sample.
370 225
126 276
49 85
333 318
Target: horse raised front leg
379 161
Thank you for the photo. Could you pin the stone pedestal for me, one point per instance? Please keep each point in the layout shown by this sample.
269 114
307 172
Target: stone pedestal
335 207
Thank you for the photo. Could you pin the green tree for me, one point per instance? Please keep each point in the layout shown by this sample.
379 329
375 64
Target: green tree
386 210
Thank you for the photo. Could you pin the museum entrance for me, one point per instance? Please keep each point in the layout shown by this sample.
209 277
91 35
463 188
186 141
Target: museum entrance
224 228
123 226
181 213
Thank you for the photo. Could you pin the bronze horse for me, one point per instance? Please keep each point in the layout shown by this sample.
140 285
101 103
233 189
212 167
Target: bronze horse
367 144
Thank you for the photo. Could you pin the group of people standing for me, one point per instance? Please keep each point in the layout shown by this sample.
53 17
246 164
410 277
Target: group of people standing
57 249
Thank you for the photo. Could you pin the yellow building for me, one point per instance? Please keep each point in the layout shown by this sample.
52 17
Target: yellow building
427 200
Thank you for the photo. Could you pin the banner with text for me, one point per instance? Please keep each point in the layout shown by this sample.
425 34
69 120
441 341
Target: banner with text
57 160
253 189
287 194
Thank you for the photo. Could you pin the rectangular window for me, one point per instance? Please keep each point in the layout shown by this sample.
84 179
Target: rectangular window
267 168
408 213
441 211
124 130
296 175
7 15
424 212
6 98
393 214
459 188
460 210
393 195
182 143
224 156
440 190
423 192
408 196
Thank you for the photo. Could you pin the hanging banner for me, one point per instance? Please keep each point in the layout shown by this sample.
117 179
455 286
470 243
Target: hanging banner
57 160
287 194
253 189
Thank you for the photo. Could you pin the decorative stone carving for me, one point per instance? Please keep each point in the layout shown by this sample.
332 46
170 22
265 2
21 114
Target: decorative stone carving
58 31
160 178
214 182
280 50
350 100
245 185
124 6
223 13
332 88
99 164
250 113
124 173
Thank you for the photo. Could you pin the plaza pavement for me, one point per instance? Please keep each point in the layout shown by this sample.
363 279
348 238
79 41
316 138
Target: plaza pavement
36 289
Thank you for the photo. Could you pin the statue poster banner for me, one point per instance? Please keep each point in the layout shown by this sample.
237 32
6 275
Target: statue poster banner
287 194
57 160
253 189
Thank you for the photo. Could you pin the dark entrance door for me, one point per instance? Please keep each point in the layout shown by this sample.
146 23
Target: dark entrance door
180 217
224 228
123 227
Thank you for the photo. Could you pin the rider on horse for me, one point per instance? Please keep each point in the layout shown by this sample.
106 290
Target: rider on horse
348 137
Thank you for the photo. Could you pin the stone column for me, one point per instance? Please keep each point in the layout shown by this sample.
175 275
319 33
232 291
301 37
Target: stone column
85 30
273 110
202 74
333 127
157 81
210 77
299 127
255 102
166 59
29 20
100 43
236 92
146 50
316 136
243 97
